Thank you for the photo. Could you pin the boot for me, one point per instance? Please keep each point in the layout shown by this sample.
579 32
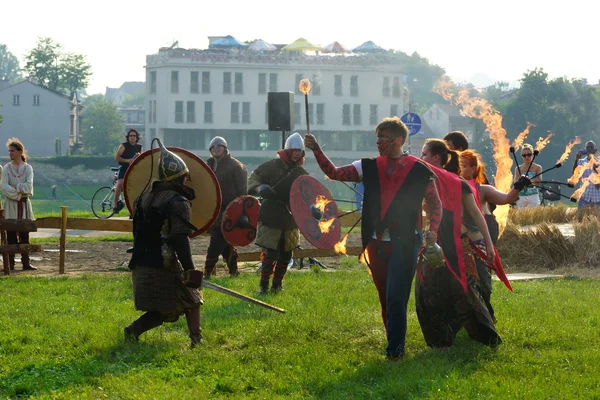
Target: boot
147 321
208 272
232 263
192 317
26 263
280 270
264 288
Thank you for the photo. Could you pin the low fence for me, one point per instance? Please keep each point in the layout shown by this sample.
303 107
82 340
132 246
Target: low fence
64 223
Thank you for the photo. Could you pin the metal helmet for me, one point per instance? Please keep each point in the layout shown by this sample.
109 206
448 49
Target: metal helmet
294 142
217 141
434 255
170 165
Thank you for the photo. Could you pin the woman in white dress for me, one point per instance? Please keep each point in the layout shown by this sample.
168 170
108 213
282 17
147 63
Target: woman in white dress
17 186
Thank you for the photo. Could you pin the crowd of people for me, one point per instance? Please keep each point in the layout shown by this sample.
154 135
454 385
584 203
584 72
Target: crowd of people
430 216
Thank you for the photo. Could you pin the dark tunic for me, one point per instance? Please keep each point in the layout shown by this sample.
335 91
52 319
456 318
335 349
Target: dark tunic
232 177
162 289
130 151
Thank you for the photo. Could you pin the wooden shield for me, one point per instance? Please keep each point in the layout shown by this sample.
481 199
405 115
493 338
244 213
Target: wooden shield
240 220
315 212
206 205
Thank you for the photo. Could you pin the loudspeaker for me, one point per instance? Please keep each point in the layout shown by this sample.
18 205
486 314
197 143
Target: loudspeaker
281 111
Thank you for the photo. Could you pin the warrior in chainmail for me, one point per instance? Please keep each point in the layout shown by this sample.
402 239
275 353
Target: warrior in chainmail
162 258
277 233
232 177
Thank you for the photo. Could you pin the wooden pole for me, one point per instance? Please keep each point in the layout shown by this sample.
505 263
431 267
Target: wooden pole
63 240
5 256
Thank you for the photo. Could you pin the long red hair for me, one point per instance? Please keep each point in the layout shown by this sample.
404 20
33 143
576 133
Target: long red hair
473 158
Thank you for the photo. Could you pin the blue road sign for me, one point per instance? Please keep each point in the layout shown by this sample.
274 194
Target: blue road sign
412 122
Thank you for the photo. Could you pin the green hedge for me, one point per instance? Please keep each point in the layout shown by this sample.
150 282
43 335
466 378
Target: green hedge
88 162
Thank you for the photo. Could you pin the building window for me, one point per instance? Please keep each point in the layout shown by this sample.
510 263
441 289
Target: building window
194 82
316 85
356 114
150 112
373 114
272 82
386 86
297 113
239 83
394 110
266 112
299 77
246 112
36 99
208 112
354 85
154 112
235 112
153 82
191 111
227 82
129 118
346 114
174 81
16 100
396 87
205 82
179 111
337 86
320 114
262 83
140 117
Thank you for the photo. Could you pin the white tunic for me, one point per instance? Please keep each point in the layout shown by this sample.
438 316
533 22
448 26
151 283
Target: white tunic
17 182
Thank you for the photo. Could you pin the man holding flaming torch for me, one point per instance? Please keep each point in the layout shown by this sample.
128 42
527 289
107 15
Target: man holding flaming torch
395 185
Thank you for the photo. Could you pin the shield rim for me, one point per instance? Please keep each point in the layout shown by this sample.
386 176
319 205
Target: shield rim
225 212
188 153
294 189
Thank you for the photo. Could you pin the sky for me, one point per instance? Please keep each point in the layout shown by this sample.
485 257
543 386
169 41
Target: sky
501 40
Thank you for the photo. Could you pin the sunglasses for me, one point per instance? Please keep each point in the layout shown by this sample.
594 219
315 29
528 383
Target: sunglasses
526 155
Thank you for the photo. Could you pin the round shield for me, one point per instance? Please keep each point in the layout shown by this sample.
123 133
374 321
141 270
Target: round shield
240 220
315 212
206 205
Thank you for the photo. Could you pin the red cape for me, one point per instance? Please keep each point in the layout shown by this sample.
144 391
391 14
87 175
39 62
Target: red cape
449 188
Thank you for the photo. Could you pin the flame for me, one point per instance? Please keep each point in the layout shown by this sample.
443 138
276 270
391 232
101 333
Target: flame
476 107
364 257
522 136
340 247
577 194
320 203
541 143
304 86
325 225
574 179
444 88
565 155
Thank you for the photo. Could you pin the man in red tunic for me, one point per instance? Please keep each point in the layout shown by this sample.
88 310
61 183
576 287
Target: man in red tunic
395 185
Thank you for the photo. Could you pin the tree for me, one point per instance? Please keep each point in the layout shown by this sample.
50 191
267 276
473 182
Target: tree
102 128
55 69
9 65
134 99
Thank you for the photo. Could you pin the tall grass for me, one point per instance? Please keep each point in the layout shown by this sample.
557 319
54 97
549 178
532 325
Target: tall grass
62 339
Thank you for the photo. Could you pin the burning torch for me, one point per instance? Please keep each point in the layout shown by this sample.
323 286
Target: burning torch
305 88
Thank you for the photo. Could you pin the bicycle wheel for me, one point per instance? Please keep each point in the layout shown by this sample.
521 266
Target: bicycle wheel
102 202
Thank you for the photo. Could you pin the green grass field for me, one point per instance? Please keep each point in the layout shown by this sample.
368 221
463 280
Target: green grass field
62 339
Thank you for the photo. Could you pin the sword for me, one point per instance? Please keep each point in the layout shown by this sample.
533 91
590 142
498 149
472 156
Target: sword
240 296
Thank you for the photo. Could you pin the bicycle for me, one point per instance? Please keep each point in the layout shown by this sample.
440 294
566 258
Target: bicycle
102 200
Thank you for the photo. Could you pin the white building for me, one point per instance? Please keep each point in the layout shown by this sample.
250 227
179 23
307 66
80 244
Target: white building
194 95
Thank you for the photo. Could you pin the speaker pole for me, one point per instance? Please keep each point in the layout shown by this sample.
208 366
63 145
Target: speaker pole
283 139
